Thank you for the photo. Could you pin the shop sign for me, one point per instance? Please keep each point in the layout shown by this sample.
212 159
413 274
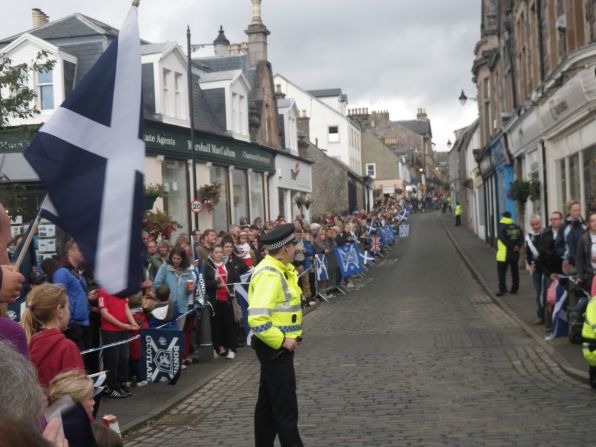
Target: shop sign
207 148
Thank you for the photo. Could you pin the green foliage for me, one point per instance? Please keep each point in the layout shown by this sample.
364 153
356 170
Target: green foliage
209 195
519 191
160 224
468 183
534 189
20 103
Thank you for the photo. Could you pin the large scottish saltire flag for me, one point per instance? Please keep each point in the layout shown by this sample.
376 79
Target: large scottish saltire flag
559 322
348 258
90 155
241 293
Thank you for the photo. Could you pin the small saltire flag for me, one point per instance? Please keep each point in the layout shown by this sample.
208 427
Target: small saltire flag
90 155
28 264
241 293
366 257
559 323
321 267
404 230
348 258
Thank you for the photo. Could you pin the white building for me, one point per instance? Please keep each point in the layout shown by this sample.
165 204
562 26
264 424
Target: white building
330 128
293 176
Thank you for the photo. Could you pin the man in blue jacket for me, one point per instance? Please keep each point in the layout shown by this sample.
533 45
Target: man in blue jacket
70 276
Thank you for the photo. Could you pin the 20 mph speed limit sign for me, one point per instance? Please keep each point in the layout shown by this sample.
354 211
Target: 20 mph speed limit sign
196 206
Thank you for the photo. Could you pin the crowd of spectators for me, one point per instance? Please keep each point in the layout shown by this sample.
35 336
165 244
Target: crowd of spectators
67 314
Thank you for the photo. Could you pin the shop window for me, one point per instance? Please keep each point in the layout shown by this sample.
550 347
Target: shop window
240 195
219 174
176 183
45 86
590 177
333 134
257 196
562 182
574 180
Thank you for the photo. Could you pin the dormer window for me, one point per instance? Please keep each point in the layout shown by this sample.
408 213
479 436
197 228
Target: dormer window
45 89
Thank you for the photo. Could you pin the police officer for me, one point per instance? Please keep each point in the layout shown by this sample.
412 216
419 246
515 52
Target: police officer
275 317
509 243
589 340
458 212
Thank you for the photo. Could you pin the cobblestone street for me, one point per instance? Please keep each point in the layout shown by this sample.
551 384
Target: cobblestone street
418 356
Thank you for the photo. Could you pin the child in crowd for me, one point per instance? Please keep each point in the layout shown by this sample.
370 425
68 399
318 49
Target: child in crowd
77 386
116 321
165 312
142 321
243 249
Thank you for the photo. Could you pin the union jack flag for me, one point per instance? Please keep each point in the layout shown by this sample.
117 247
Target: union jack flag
375 244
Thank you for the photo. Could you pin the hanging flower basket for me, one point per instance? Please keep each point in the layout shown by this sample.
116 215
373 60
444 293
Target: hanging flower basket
159 224
299 199
468 183
152 192
307 201
519 191
209 195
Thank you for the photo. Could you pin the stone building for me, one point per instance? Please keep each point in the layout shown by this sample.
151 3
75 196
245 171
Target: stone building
382 165
536 89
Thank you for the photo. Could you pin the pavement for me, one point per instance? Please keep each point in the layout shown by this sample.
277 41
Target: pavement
417 354
480 259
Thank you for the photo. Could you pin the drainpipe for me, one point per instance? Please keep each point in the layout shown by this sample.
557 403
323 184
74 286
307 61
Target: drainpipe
539 19
545 188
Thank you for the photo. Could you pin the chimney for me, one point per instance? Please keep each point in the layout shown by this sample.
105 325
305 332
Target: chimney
278 93
421 115
303 124
257 34
38 18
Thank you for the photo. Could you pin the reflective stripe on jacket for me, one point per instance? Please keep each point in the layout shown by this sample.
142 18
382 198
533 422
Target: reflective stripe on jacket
274 310
589 333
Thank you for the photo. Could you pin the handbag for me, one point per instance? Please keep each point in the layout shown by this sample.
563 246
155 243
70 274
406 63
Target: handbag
237 310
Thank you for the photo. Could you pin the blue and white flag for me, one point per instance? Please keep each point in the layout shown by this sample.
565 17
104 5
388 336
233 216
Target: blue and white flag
404 230
90 156
366 257
321 267
559 323
241 293
163 351
348 258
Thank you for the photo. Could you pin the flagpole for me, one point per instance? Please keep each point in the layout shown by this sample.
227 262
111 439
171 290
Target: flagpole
192 130
27 243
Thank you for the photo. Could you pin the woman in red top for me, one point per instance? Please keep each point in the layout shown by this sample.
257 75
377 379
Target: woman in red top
217 275
44 320
116 321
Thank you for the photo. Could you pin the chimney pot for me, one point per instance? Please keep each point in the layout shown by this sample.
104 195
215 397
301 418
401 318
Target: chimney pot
38 18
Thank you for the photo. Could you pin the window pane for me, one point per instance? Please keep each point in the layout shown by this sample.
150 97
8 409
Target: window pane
256 196
44 77
220 211
574 183
563 183
333 134
175 181
590 177
46 93
240 195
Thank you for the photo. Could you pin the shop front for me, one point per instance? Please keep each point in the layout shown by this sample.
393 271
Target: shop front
240 169
496 168
291 187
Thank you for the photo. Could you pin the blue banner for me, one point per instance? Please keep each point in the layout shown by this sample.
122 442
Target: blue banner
163 351
321 267
348 258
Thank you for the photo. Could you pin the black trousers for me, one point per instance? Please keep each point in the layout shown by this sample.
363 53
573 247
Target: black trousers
115 360
502 272
593 377
276 412
224 328
78 334
457 221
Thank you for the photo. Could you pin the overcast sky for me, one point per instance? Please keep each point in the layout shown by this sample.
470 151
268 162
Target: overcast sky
395 55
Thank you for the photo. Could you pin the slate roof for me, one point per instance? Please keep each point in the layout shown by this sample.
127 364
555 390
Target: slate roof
219 76
75 25
284 103
153 48
421 127
326 93
236 62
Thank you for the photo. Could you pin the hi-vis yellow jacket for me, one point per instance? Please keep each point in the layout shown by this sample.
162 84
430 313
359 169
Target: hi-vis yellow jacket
274 310
589 333
458 210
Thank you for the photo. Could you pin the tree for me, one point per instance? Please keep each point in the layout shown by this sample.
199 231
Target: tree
19 103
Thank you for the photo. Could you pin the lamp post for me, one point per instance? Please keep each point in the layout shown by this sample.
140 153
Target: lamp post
463 98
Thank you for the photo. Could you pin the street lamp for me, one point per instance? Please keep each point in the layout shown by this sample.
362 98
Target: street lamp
463 98
449 144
